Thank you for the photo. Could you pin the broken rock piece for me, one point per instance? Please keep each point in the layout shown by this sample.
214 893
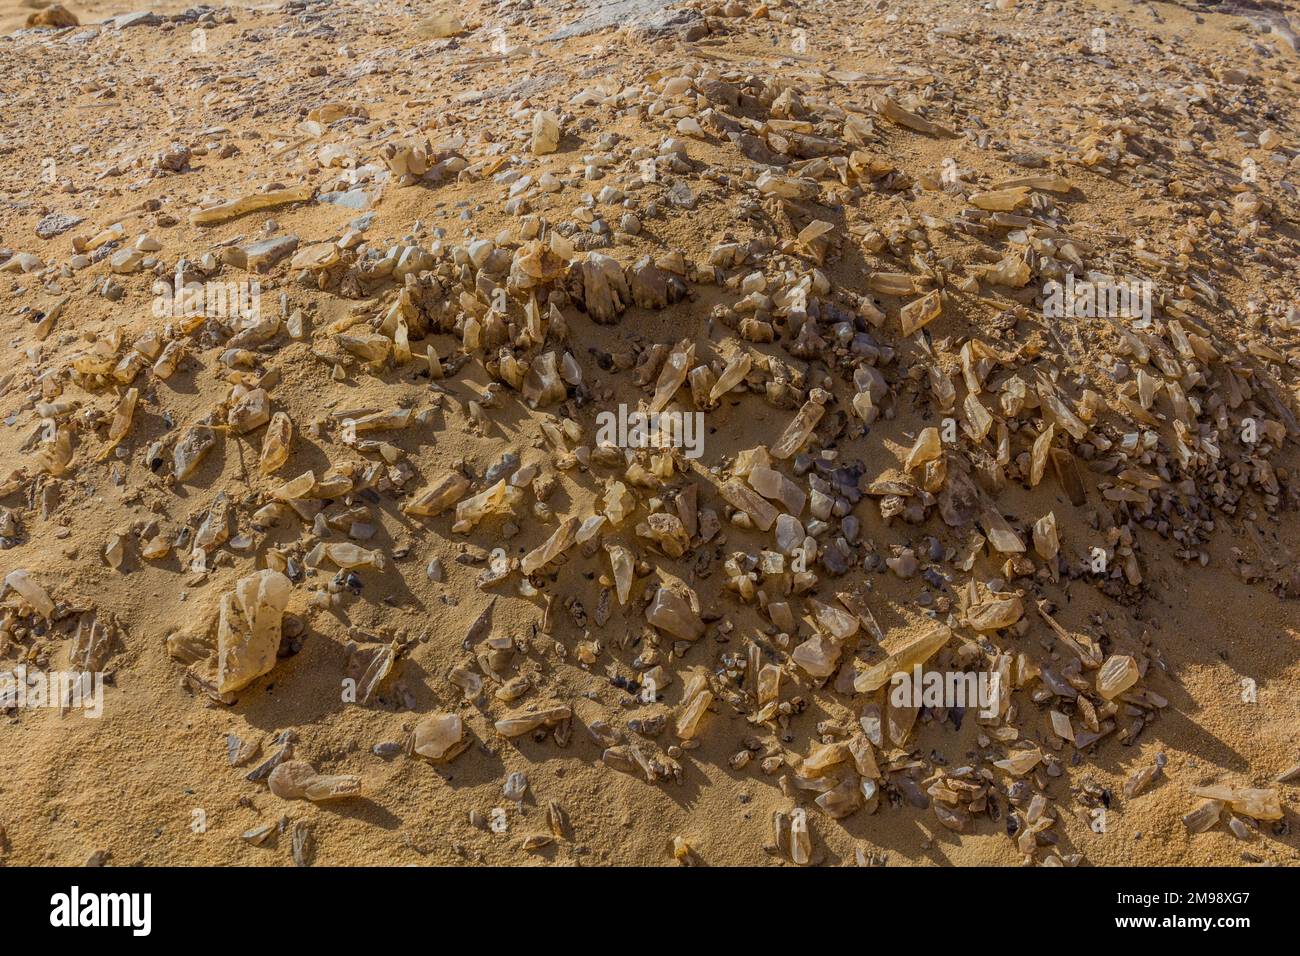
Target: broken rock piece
248 630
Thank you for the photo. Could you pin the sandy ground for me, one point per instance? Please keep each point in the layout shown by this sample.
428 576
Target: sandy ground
133 783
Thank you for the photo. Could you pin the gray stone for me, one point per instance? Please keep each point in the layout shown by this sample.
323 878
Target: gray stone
262 255
647 17
681 195
56 223
349 199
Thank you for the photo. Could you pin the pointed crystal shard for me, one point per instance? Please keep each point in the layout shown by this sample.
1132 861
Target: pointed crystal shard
497 499
690 719
1046 542
618 502
743 499
914 651
621 563
560 541
775 486
796 433
440 496
800 839
926 448
276 444
1204 816
672 375
1000 533
122 416
21 581
731 376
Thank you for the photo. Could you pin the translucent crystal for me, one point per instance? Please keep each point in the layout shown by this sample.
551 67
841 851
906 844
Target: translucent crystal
22 582
1204 816
775 486
122 416
915 650
56 454
789 534
1001 200
621 562
926 448
742 498
297 488
672 375
671 613
836 623
497 499
591 527
439 737
560 541
347 555
1117 674
800 839
690 721
369 347
215 528
542 385
796 433
919 313
1046 541
276 443
298 780
696 698
819 656
531 717
618 503
165 366
248 630
731 376
439 496
995 612
842 800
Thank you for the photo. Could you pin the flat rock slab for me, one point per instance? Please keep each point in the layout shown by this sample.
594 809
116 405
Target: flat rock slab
350 199
56 223
141 18
262 255
647 16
